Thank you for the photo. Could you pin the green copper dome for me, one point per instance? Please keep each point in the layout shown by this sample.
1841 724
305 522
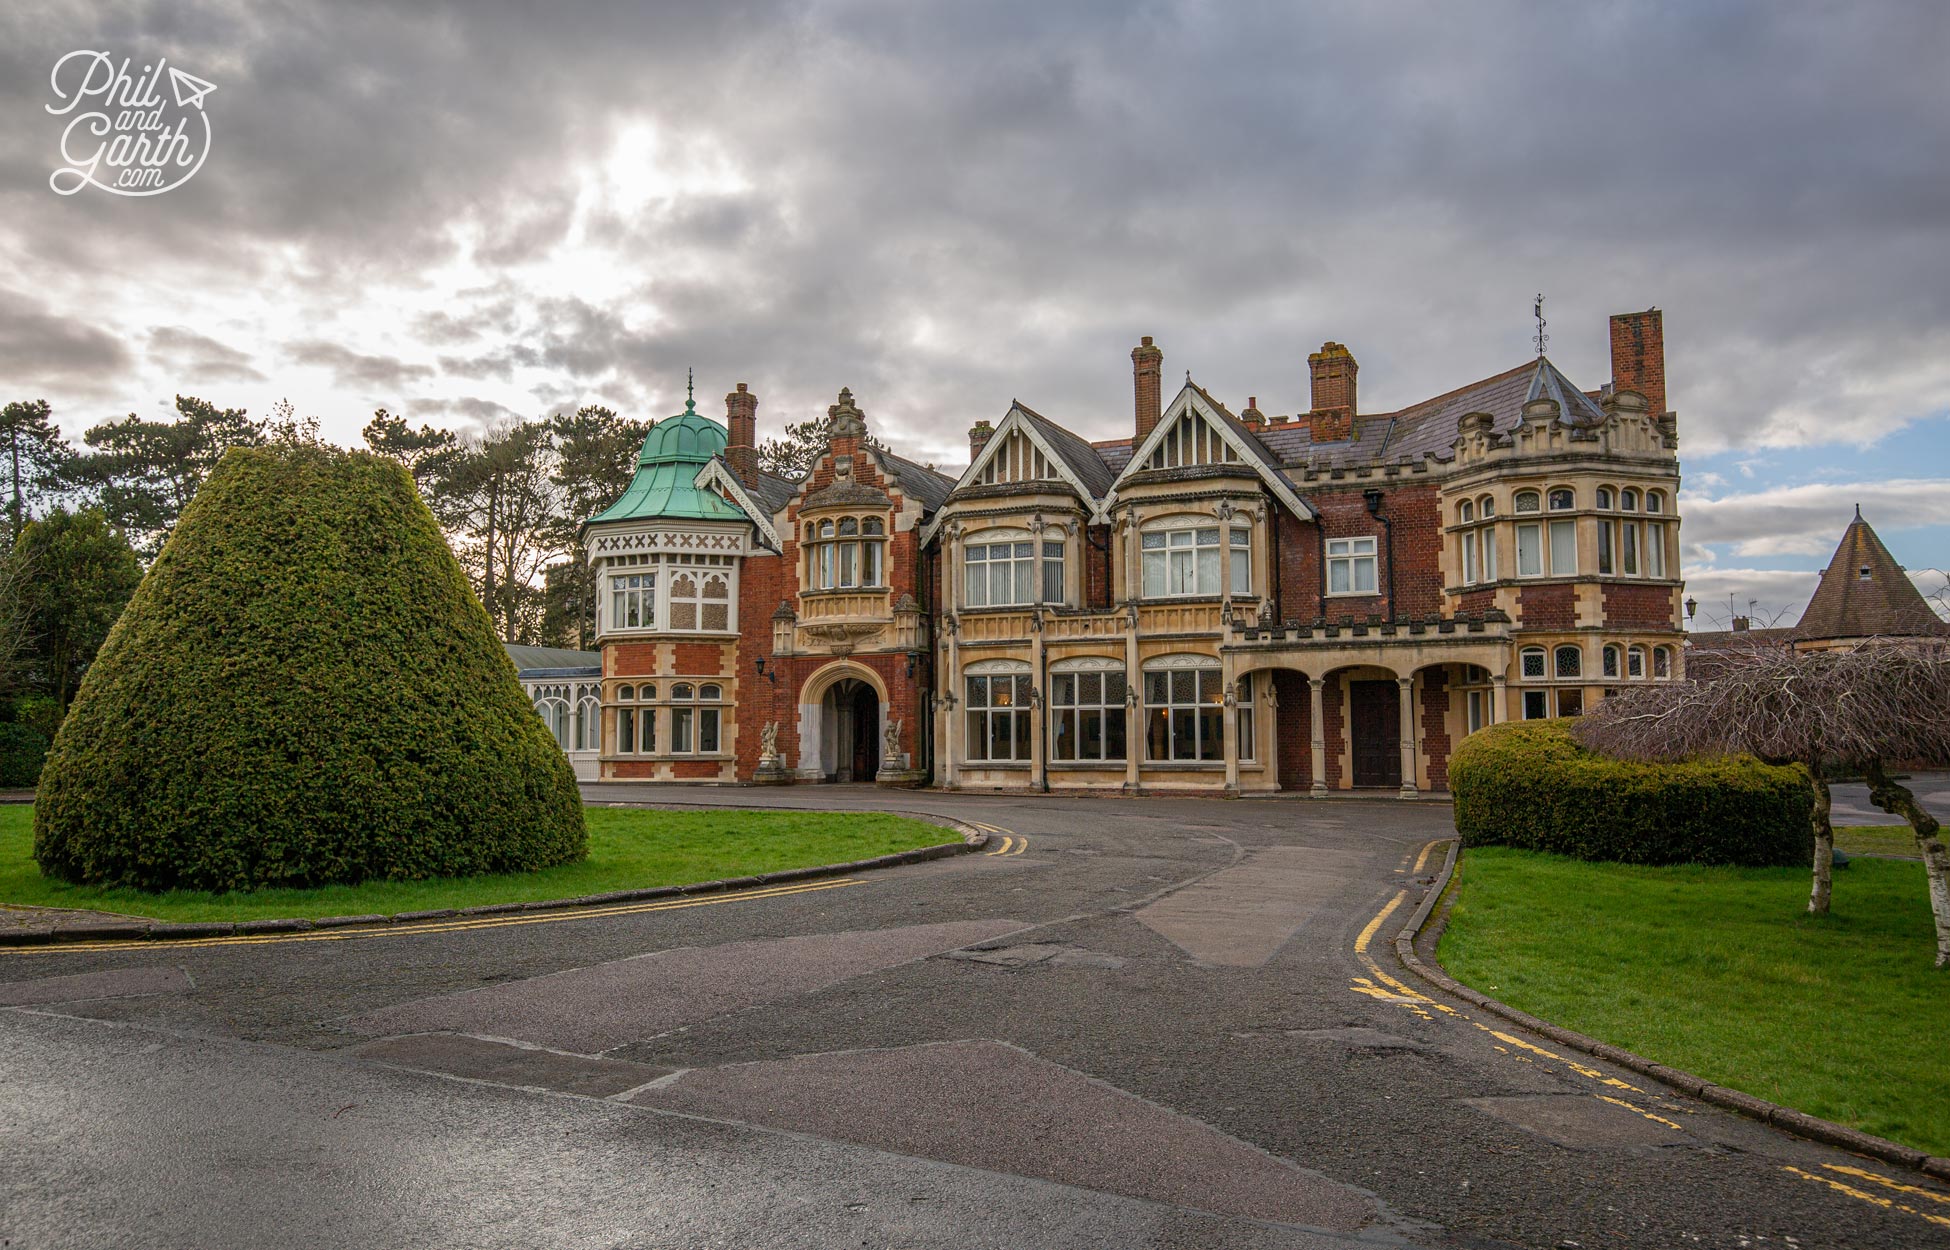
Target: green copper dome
687 437
673 452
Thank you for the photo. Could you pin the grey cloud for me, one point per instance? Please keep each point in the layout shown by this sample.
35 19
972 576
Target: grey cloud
46 351
357 369
948 206
195 357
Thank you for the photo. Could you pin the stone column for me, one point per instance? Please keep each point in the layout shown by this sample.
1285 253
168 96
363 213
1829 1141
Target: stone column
1407 685
1499 695
1229 725
1039 701
1134 727
1316 692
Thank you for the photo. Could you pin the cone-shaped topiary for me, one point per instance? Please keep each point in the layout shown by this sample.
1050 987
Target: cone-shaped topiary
303 690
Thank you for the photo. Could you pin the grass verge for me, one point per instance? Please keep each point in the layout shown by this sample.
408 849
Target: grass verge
1876 840
628 849
1721 972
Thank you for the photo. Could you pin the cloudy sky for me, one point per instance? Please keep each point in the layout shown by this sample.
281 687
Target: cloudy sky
465 212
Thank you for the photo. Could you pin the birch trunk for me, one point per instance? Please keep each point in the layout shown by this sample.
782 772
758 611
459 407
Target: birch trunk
1824 846
1898 801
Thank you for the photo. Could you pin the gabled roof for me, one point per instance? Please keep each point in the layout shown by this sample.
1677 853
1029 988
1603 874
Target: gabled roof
1864 593
1078 456
1193 398
665 485
1076 462
758 501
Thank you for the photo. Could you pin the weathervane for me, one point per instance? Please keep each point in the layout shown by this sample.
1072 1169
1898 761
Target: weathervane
1542 340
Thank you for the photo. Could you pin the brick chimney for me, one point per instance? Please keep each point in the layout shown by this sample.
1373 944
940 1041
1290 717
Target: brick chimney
741 425
1252 415
1638 356
978 438
1147 369
1334 409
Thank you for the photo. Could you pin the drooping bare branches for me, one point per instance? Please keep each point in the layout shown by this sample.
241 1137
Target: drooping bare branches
1887 700
1879 704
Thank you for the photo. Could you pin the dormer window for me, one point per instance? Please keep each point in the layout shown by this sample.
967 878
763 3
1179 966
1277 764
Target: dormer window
1864 573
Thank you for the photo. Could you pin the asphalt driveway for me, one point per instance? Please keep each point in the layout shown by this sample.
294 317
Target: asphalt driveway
1153 1022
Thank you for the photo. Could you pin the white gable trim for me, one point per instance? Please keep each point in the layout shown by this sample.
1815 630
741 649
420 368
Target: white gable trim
1188 400
717 474
1012 422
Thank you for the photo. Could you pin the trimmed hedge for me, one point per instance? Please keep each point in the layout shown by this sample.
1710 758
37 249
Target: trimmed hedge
1530 784
23 749
303 690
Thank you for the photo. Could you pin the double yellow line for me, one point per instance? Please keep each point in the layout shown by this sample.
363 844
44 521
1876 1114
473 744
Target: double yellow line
1012 843
444 926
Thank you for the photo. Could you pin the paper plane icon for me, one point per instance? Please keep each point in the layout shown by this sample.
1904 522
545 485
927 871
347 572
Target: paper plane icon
189 89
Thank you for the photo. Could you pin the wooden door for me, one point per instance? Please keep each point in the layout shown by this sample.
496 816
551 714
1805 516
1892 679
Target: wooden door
1375 717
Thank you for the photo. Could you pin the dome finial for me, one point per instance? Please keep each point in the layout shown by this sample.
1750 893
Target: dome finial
690 390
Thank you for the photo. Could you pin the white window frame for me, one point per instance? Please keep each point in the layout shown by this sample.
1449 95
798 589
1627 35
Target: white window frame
1469 557
1350 558
1527 654
1562 533
1534 548
633 593
1635 663
1245 740
1017 550
1189 558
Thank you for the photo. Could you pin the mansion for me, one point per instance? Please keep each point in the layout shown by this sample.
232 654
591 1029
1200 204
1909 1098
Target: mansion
1220 601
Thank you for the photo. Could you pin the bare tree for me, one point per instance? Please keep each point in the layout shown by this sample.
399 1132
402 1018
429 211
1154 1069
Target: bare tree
1873 707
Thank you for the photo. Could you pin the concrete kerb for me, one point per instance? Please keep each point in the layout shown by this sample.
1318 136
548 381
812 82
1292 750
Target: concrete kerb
1799 1123
972 839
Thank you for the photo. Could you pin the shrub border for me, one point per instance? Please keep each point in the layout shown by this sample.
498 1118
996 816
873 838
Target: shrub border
1799 1123
972 839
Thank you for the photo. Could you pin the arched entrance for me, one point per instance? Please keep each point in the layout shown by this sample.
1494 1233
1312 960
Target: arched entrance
851 712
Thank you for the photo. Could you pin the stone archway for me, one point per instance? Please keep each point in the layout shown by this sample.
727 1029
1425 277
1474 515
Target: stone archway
842 723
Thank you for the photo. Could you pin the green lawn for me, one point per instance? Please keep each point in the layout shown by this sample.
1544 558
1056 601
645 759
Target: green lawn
1721 972
1876 839
628 849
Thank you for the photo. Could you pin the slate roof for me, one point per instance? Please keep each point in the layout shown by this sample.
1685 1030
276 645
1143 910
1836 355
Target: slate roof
770 492
1885 603
1079 456
554 661
1422 429
918 481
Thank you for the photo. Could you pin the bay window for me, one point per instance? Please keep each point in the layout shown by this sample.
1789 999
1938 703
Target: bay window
846 553
695 724
633 601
